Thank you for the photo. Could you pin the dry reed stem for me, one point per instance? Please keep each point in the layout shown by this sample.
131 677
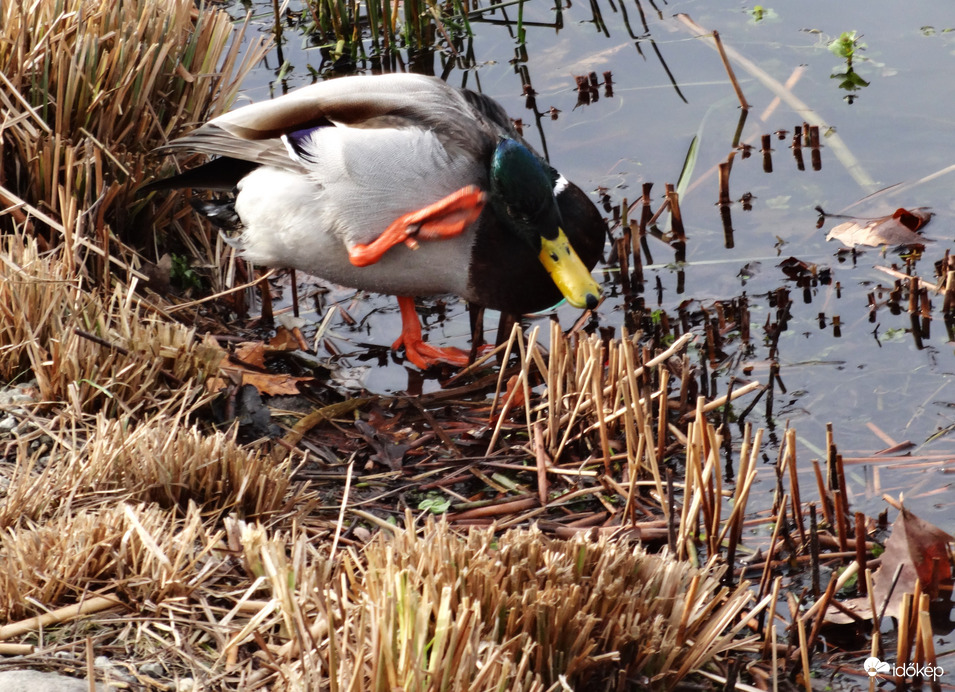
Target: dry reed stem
729 71
58 616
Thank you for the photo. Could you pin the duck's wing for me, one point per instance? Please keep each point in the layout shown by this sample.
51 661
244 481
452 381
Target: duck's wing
464 122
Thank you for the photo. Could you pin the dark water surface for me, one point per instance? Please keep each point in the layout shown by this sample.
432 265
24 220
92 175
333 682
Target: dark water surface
875 378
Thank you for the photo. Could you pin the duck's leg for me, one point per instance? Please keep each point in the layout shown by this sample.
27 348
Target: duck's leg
419 352
445 218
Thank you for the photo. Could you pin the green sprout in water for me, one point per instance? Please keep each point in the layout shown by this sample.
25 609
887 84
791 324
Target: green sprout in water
760 13
846 46
849 48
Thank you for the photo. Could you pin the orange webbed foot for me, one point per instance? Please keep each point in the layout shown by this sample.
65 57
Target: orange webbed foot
422 354
446 218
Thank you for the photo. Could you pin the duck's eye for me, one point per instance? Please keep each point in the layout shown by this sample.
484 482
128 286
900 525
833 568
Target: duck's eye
518 213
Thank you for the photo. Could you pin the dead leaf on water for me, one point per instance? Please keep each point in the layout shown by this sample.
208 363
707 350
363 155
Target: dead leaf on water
247 366
898 228
922 549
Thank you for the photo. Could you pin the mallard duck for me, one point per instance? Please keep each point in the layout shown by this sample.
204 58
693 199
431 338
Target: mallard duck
405 185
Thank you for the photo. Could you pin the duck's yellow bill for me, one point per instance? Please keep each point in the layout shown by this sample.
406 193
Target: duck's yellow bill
569 272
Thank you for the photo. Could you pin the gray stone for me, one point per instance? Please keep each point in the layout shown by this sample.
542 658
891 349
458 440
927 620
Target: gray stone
25 393
38 681
153 669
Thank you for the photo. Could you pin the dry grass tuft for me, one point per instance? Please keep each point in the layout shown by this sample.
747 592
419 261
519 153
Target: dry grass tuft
37 292
88 89
580 609
92 352
162 461
435 610
137 552
92 86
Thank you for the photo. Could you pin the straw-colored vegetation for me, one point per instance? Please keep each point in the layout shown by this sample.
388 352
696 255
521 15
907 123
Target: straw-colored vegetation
93 350
87 90
131 527
435 610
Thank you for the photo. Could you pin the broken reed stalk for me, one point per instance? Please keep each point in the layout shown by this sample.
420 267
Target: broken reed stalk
745 478
729 71
723 177
796 147
764 580
927 638
725 399
836 477
815 153
814 551
88 606
693 493
770 641
842 506
904 644
876 635
676 218
824 496
646 213
804 656
821 615
790 438
861 551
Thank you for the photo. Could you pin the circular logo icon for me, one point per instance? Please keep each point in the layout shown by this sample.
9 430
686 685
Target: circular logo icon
873 666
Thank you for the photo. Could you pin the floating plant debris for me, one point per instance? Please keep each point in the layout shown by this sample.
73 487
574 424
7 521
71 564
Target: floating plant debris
898 228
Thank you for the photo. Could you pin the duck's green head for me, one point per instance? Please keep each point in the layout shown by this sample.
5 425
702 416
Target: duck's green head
522 194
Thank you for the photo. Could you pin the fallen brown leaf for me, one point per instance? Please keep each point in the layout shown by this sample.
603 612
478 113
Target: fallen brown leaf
387 451
247 366
897 229
287 340
922 550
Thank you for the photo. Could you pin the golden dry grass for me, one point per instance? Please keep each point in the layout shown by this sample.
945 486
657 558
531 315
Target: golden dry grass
595 612
92 350
88 88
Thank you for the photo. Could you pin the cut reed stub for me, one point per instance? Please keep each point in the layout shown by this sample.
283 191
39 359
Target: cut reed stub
723 174
767 152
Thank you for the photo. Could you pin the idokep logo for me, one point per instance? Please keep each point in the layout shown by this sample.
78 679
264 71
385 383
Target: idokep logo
873 666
